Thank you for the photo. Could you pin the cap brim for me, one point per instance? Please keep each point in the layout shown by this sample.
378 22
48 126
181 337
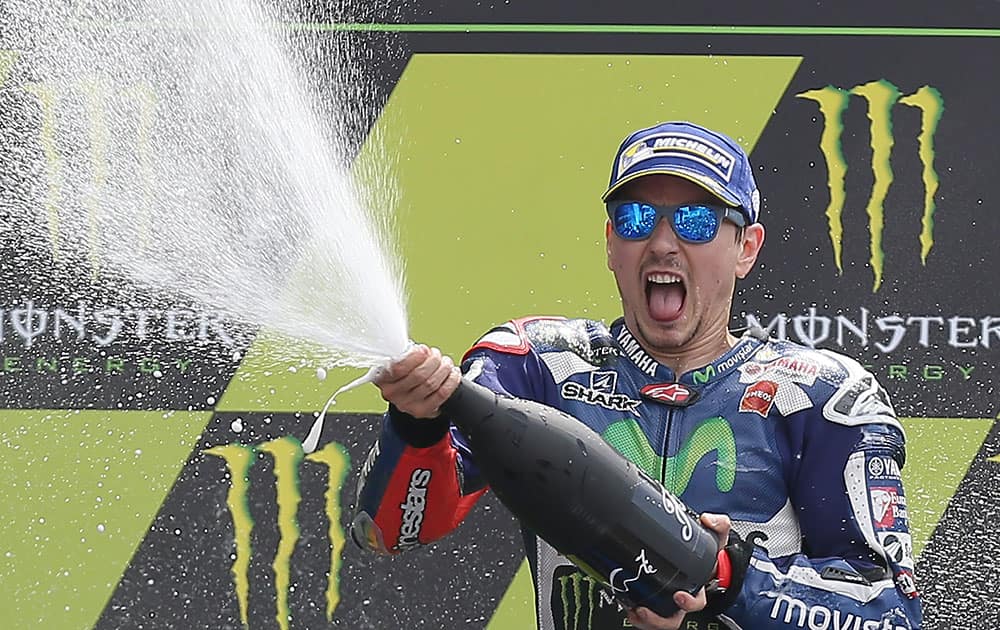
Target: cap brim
706 183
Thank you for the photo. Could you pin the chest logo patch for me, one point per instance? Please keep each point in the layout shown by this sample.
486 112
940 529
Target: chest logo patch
602 393
673 394
759 397
778 382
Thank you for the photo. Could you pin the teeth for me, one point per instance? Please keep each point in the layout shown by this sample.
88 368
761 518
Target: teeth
662 278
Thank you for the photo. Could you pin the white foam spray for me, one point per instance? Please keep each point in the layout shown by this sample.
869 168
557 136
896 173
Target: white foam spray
183 148
179 146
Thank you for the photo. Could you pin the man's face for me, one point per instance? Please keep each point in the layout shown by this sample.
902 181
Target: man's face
677 295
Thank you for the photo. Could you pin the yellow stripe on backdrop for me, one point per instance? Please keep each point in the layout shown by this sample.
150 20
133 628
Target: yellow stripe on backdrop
81 489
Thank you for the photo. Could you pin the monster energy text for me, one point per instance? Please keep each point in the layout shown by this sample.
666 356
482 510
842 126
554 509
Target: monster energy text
885 332
29 323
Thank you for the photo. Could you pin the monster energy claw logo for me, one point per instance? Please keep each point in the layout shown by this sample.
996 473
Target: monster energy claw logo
579 597
880 96
118 119
288 456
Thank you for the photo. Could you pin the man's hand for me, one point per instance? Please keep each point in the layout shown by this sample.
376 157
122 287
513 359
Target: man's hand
419 382
646 619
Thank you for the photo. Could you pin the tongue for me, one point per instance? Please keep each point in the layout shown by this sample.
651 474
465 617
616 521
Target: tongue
666 301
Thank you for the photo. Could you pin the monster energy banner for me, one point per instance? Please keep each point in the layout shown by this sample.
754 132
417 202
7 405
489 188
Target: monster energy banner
153 471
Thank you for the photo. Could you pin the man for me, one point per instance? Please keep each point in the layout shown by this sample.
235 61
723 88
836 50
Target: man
797 451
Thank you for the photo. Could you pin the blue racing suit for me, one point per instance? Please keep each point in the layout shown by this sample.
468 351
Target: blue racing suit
800 447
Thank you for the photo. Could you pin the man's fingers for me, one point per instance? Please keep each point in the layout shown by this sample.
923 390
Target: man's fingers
430 374
645 619
413 372
690 603
419 382
429 386
451 380
718 523
403 367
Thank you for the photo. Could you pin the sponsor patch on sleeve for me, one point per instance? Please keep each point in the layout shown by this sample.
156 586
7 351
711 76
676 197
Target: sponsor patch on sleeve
906 583
888 506
890 518
885 494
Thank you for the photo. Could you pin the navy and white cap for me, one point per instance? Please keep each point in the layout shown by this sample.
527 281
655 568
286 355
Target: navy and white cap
707 158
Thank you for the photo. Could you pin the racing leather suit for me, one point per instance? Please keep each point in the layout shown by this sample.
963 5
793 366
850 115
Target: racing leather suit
800 447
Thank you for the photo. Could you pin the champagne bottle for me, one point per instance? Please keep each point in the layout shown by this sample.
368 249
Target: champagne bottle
562 480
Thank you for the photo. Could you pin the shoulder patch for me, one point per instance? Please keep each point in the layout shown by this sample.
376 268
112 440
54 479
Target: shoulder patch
510 337
589 340
781 375
859 398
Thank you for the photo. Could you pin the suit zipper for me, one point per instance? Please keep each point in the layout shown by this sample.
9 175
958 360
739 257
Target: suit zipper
666 442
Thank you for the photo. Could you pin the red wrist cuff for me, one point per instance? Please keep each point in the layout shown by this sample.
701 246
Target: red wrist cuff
724 570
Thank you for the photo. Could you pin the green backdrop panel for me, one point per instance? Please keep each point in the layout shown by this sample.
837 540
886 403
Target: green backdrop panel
517 608
501 160
938 454
82 488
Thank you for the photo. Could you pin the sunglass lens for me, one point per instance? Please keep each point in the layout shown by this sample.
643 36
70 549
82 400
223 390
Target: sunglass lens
696 223
634 221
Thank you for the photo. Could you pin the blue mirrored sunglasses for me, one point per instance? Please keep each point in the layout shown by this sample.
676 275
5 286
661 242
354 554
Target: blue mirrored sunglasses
692 222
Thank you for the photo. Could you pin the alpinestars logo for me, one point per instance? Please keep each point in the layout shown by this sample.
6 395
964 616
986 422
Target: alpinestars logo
288 456
881 97
673 394
413 509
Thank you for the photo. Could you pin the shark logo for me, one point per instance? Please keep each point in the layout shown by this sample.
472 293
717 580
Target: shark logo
601 393
604 381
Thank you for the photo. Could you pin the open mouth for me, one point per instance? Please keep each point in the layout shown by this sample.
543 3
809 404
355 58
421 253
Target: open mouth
665 294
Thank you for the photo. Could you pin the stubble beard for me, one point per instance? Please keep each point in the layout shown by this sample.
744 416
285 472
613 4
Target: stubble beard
649 340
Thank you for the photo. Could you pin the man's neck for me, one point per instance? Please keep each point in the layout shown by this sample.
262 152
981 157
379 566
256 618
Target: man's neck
697 356
694 354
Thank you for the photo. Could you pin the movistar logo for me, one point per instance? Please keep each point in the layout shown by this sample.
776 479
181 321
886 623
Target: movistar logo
709 372
881 97
713 435
797 613
288 456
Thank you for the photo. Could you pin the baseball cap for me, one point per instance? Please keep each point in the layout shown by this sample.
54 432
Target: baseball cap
707 158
